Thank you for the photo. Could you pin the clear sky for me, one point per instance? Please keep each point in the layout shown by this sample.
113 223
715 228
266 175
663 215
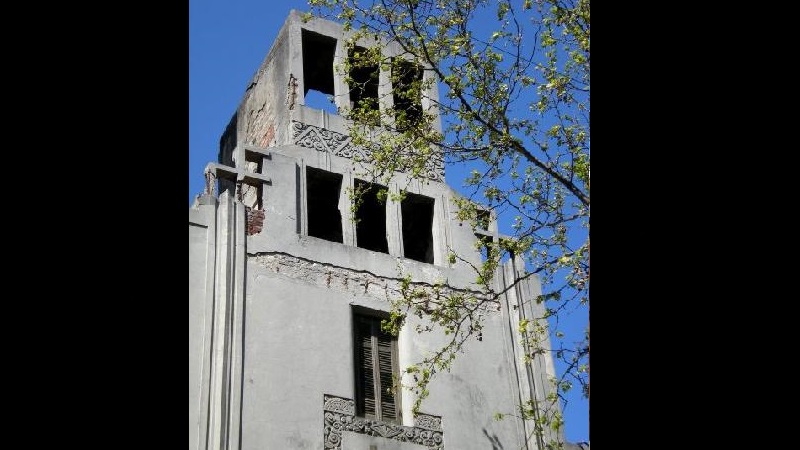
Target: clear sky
228 39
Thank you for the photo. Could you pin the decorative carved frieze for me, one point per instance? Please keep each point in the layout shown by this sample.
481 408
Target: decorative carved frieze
427 422
339 405
340 416
338 144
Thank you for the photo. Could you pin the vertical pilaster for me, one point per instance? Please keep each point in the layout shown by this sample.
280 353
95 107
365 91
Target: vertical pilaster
217 423
533 377
348 225
226 336
512 308
236 327
201 315
394 225
341 91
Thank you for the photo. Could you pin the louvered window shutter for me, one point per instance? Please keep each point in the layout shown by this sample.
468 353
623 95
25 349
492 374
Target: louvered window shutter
385 347
376 359
365 379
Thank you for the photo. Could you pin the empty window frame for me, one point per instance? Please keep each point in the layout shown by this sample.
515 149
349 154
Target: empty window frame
371 218
407 93
322 201
365 79
483 220
417 212
318 52
485 244
376 366
482 233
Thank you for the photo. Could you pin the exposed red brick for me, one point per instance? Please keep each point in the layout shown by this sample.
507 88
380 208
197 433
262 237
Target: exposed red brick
267 136
255 221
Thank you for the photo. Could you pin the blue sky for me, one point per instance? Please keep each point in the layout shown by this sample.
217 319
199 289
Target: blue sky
227 42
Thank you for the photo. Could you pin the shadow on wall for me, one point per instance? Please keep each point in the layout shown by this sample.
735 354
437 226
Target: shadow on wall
296 441
496 445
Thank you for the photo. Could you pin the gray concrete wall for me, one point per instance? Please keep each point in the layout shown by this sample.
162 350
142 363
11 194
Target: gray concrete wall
270 104
300 291
202 218
285 206
299 347
262 118
295 345
355 441
296 350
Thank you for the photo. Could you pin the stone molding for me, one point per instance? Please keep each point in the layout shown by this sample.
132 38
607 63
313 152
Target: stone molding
340 416
338 144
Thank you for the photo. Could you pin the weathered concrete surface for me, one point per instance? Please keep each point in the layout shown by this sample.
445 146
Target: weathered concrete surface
355 441
274 98
299 314
271 307
285 205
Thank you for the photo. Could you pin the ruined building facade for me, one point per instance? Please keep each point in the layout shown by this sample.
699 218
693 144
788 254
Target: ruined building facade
286 290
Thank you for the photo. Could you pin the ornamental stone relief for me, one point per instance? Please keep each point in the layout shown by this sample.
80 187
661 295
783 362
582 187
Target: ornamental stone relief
340 416
338 144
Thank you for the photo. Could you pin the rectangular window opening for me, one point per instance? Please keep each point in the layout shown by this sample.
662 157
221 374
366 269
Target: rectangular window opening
324 218
371 218
485 241
482 233
483 220
365 76
318 53
417 212
407 93
376 367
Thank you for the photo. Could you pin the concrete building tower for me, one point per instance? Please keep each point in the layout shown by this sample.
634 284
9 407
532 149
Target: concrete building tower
286 290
